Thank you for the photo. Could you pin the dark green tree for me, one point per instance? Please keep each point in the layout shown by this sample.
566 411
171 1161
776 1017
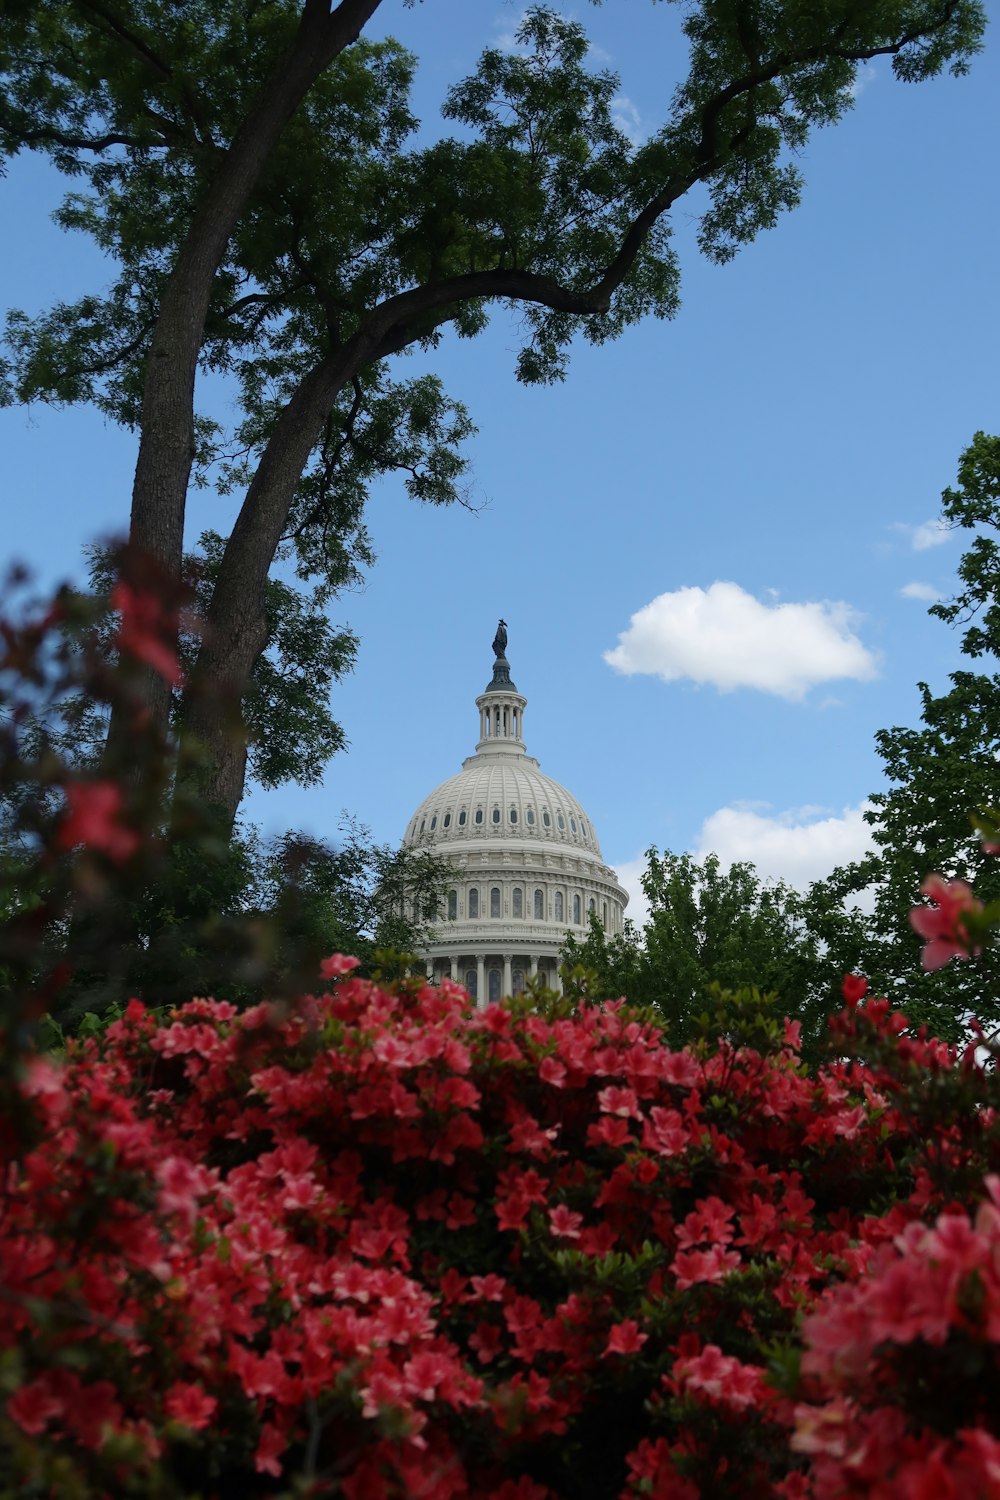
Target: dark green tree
711 926
941 775
251 170
186 907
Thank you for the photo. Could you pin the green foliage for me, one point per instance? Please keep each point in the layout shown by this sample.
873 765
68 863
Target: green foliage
712 932
166 899
297 261
942 775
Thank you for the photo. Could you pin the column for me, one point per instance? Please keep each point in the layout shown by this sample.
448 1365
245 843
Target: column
454 971
480 982
508 980
430 971
533 966
557 983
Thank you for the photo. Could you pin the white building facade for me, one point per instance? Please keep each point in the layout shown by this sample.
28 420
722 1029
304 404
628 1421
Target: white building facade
527 864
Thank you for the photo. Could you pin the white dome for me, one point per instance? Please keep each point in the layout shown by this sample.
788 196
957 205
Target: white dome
526 866
497 799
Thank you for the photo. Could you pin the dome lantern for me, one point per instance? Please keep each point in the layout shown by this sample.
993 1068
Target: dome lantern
501 706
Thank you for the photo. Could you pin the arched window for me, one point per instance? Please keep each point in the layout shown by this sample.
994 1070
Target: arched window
517 902
473 903
479 815
546 819
434 822
577 911
496 815
518 978
561 821
572 824
529 817
495 981
513 815
452 905
604 913
559 906
592 906
461 818
470 981
539 906
423 824
447 820
495 901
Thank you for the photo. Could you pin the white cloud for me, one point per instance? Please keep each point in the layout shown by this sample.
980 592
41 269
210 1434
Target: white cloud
626 116
507 28
796 846
630 875
724 636
930 534
863 79
925 591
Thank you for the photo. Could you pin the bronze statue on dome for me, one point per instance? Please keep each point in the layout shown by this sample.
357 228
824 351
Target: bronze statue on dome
500 639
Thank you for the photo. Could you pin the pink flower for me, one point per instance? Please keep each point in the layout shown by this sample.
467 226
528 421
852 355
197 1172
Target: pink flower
91 818
552 1071
721 1378
942 925
625 1338
271 1445
190 1404
564 1223
147 631
337 964
692 1266
618 1101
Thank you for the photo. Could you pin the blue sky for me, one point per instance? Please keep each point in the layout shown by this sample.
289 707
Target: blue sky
711 544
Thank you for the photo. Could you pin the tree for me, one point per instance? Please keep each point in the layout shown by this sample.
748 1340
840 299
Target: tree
101 899
941 775
709 926
249 169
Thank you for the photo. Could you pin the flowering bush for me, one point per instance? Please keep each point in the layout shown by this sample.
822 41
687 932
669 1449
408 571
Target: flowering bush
376 1243
390 1245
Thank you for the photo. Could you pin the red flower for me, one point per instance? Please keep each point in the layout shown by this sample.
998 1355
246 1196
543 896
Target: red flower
625 1338
337 964
271 1445
942 924
33 1407
692 1266
91 818
565 1225
189 1403
854 989
147 631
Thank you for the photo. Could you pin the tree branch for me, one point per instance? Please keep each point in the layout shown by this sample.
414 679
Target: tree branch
137 44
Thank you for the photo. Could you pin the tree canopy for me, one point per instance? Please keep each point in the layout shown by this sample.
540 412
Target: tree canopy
254 175
708 928
942 775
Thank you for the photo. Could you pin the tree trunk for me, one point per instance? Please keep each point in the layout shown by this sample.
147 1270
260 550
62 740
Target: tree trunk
166 444
213 735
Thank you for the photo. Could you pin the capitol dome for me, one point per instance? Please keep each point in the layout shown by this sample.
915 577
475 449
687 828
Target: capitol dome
526 862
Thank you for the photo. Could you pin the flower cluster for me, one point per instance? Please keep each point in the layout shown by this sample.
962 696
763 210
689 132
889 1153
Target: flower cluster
389 1245
944 925
917 1335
